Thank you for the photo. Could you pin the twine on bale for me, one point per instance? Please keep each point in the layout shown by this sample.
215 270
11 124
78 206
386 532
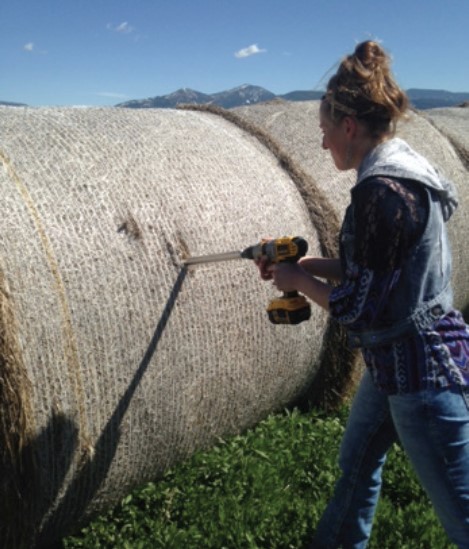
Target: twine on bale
339 365
461 151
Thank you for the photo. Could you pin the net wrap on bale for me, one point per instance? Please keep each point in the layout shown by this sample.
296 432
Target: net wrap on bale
115 360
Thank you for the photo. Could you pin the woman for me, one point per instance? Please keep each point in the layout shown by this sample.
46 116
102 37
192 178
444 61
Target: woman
394 297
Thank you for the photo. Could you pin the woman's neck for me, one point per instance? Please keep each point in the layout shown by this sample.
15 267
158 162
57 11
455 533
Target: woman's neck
363 147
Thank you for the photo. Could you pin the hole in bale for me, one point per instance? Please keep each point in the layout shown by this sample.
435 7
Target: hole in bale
131 228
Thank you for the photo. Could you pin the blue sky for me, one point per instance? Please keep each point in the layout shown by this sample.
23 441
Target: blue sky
102 52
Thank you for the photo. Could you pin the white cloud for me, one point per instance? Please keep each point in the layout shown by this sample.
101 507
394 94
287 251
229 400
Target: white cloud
123 28
30 47
250 50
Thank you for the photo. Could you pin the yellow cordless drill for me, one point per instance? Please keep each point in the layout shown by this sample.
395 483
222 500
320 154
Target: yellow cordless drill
290 308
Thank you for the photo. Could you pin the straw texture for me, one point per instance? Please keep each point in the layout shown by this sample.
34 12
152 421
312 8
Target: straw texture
454 124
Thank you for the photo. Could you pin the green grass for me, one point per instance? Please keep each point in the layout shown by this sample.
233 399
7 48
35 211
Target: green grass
264 489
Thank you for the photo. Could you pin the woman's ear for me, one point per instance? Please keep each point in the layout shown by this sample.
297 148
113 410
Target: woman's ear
350 126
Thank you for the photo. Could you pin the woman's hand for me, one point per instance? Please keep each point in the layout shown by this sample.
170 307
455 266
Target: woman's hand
264 265
289 277
286 276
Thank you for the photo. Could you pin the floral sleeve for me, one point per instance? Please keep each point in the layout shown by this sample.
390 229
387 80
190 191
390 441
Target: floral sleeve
390 216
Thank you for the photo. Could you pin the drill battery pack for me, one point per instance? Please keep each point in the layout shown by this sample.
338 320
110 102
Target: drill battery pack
291 308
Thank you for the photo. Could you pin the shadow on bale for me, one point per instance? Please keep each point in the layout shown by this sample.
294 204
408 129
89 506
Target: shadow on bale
465 313
94 470
21 519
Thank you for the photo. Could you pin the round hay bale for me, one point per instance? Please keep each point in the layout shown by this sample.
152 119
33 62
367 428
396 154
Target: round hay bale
445 154
453 122
115 361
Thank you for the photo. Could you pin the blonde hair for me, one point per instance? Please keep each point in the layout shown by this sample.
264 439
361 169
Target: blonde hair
364 86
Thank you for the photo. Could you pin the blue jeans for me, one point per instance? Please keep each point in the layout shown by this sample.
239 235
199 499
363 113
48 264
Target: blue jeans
433 427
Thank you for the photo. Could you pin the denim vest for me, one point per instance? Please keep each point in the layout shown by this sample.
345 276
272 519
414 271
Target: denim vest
423 292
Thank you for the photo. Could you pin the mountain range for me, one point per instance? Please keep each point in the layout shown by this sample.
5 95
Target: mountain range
242 95
250 95
11 104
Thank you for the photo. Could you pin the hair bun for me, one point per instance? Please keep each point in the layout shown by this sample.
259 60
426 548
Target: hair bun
372 56
365 87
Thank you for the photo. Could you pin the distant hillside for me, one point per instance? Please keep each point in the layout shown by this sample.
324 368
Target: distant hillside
247 94
431 99
302 95
236 97
250 95
184 95
242 95
10 104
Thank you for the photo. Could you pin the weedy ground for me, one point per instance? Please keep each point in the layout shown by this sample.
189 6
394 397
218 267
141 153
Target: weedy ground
264 489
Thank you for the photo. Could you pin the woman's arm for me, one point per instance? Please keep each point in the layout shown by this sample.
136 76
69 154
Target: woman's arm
301 276
322 267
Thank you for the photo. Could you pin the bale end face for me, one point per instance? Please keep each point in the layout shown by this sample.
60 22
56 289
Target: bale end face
17 471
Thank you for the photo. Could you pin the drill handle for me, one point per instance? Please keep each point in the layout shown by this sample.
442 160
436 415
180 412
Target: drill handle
294 293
